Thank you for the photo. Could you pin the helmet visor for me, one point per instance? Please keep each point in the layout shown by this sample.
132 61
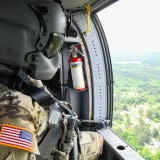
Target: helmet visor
54 45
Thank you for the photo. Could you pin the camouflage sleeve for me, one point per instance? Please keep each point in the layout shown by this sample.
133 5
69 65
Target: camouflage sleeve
19 110
39 114
91 146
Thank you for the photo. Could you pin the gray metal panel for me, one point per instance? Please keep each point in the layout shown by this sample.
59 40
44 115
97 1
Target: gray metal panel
114 141
76 100
95 4
73 4
97 64
69 94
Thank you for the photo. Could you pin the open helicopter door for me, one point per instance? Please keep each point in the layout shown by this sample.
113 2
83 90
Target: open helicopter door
94 103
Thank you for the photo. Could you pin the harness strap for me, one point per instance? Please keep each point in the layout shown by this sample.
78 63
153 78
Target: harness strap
21 82
49 142
38 94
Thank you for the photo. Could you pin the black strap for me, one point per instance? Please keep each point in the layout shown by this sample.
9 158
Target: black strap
38 94
49 142
38 157
21 82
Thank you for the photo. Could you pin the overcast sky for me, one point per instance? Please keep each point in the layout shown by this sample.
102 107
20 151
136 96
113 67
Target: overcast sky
132 25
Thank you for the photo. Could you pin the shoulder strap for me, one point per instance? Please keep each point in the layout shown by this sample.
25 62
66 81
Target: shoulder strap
38 94
21 82
49 142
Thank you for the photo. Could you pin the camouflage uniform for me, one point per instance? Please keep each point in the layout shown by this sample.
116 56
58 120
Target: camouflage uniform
19 110
91 146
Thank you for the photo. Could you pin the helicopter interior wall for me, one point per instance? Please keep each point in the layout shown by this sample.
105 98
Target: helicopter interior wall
75 4
108 153
69 94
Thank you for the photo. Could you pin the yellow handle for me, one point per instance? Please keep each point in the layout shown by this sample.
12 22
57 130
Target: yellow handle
88 7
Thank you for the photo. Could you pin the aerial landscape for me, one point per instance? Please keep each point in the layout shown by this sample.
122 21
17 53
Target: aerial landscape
136 115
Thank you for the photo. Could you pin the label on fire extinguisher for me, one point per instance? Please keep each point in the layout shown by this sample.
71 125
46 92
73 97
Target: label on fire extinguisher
77 75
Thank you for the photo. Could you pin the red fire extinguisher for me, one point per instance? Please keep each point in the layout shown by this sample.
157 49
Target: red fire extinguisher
76 66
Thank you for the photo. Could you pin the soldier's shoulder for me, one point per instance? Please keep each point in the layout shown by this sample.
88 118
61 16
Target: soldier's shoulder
87 137
91 145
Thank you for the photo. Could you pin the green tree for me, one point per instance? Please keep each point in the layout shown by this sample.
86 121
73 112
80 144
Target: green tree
142 132
158 137
149 113
125 107
146 153
141 112
157 155
155 133
128 121
154 114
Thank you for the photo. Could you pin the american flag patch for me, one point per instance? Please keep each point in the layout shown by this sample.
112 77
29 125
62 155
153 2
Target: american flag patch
16 137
